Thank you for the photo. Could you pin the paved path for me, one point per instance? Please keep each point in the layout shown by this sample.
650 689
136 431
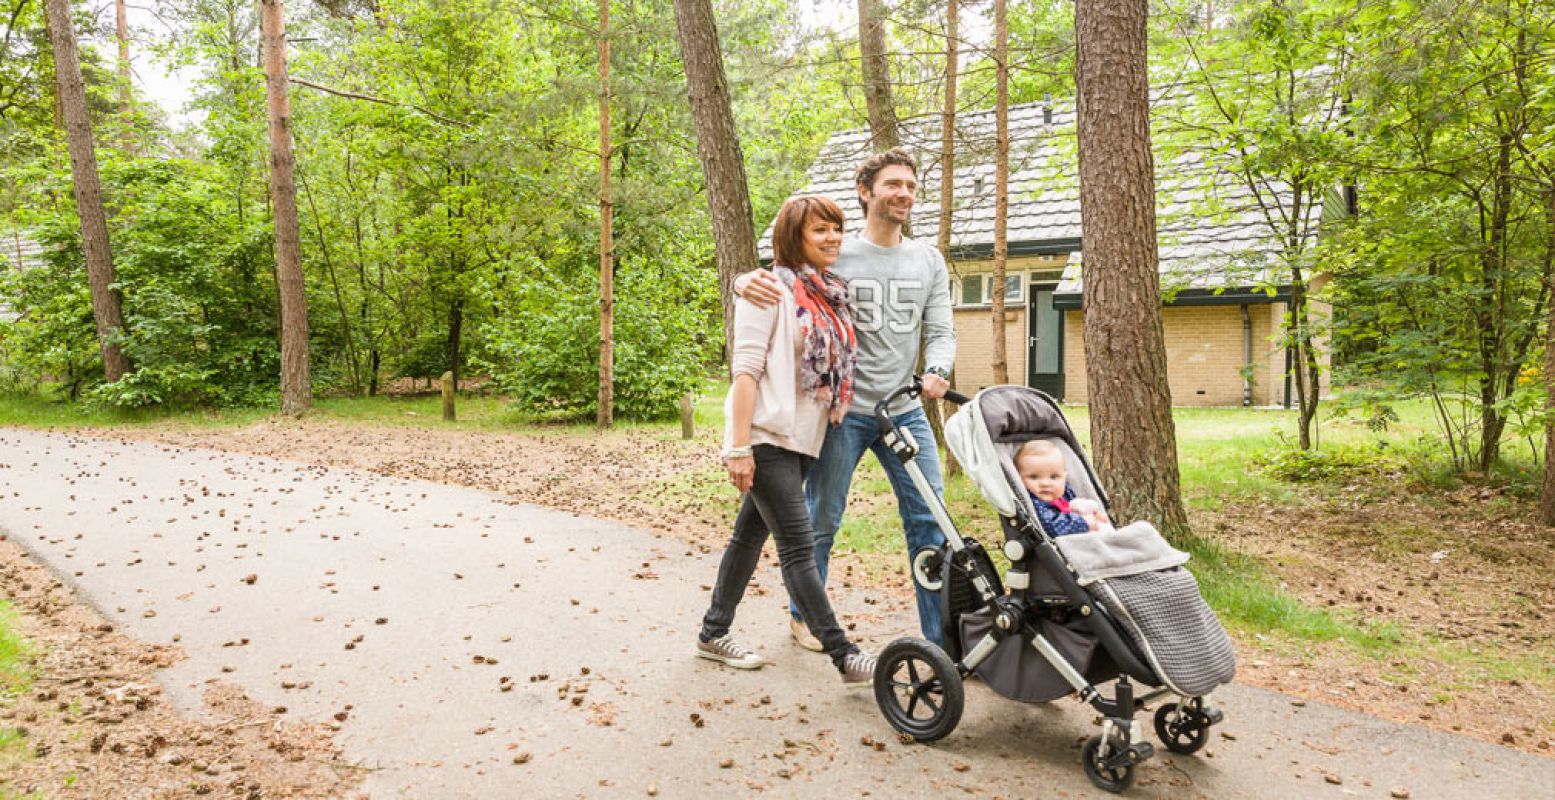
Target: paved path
410 606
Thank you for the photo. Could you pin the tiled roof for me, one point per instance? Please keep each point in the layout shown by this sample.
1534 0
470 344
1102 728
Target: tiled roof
18 251
1211 231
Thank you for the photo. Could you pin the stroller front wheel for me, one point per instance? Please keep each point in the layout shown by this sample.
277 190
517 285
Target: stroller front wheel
928 568
1112 770
919 690
1183 727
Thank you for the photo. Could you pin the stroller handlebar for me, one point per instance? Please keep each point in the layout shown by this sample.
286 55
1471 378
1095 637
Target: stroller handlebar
882 408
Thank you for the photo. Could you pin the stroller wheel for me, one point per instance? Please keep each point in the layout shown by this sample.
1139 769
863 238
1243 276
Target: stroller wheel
928 567
1182 727
1113 770
919 689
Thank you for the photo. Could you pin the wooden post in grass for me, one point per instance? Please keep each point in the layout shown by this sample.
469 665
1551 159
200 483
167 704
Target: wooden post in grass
448 396
687 423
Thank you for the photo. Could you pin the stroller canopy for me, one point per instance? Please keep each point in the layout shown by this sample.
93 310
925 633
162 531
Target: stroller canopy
985 434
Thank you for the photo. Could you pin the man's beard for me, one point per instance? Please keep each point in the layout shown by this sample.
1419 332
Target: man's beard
886 211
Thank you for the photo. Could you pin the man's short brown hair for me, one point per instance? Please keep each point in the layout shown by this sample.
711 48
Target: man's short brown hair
864 176
788 231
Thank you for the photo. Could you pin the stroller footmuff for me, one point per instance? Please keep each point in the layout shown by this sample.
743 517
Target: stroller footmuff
1071 614
1140 579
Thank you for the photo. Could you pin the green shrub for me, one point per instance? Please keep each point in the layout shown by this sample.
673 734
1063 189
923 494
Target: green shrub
1343 462
546 355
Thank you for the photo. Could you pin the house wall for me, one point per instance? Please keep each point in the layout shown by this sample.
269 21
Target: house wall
1204 355
1204 346
974 347
974 324
1204 351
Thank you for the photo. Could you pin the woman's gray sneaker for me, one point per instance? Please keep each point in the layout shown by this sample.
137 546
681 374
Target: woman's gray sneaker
858 669
728 651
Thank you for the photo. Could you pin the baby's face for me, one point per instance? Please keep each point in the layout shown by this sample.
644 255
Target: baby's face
1044 475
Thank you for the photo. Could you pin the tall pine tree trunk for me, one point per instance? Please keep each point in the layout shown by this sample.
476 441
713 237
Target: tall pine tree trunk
1132 432
1001 202
1547 496
947 182
875 62
71 105
126 90
453 343
718 149
604 413
877 76
947 152
296 381
122 34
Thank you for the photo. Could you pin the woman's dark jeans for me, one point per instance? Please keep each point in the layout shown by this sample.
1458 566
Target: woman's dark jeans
776 503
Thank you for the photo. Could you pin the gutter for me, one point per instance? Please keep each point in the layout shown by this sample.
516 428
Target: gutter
1247 357
1195 297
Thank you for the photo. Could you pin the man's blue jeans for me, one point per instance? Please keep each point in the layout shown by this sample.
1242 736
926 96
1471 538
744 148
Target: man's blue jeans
826 493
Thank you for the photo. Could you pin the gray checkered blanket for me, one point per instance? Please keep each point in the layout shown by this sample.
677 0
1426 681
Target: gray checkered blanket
1161 611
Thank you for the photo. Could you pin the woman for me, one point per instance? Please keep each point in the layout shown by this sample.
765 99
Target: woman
793 374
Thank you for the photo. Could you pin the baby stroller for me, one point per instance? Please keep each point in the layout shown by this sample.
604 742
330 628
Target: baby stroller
1071 614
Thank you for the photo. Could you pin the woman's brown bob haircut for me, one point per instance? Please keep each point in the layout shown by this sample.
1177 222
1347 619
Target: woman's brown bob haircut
788 232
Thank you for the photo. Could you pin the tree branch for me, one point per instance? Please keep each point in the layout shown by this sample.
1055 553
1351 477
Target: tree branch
371 99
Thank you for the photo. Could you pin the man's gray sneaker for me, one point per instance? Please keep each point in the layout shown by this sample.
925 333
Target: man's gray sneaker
802 635
728 651
858 670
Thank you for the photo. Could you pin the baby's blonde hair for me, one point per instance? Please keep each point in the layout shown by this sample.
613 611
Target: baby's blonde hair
1039 448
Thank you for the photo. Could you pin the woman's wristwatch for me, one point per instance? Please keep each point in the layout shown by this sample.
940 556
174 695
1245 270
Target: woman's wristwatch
943 373
738 452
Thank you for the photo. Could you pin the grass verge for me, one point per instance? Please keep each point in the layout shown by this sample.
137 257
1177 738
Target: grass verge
475 411
15 679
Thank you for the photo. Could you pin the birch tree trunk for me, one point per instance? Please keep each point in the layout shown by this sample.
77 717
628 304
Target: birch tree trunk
296 380
107 310
718 150
605 414
1132 432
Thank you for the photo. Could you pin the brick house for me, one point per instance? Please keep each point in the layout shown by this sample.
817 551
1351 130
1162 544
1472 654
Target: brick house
1225 301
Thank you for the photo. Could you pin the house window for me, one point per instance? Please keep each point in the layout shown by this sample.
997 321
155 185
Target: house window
977 290
972 290
1013 285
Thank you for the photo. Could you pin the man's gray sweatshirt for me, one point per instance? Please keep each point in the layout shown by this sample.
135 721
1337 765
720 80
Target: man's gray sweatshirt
899 294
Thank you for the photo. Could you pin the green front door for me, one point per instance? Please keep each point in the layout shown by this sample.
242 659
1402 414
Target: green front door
1044 342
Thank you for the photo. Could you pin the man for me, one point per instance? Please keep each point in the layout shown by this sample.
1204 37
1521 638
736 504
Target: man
901 295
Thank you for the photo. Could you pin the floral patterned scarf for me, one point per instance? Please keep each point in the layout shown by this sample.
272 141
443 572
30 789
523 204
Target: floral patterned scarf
829 349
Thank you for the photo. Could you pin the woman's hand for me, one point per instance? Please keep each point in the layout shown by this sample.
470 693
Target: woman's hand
742 472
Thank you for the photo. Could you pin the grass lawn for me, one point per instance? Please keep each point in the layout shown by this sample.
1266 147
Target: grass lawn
15 679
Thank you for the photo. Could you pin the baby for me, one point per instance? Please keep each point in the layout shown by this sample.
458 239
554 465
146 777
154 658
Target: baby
1041 467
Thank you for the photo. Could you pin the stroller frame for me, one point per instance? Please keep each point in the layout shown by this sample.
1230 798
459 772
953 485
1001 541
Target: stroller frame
1109 757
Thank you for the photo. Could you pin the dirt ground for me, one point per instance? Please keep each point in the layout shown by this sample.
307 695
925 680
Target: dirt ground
1472 569
96 724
